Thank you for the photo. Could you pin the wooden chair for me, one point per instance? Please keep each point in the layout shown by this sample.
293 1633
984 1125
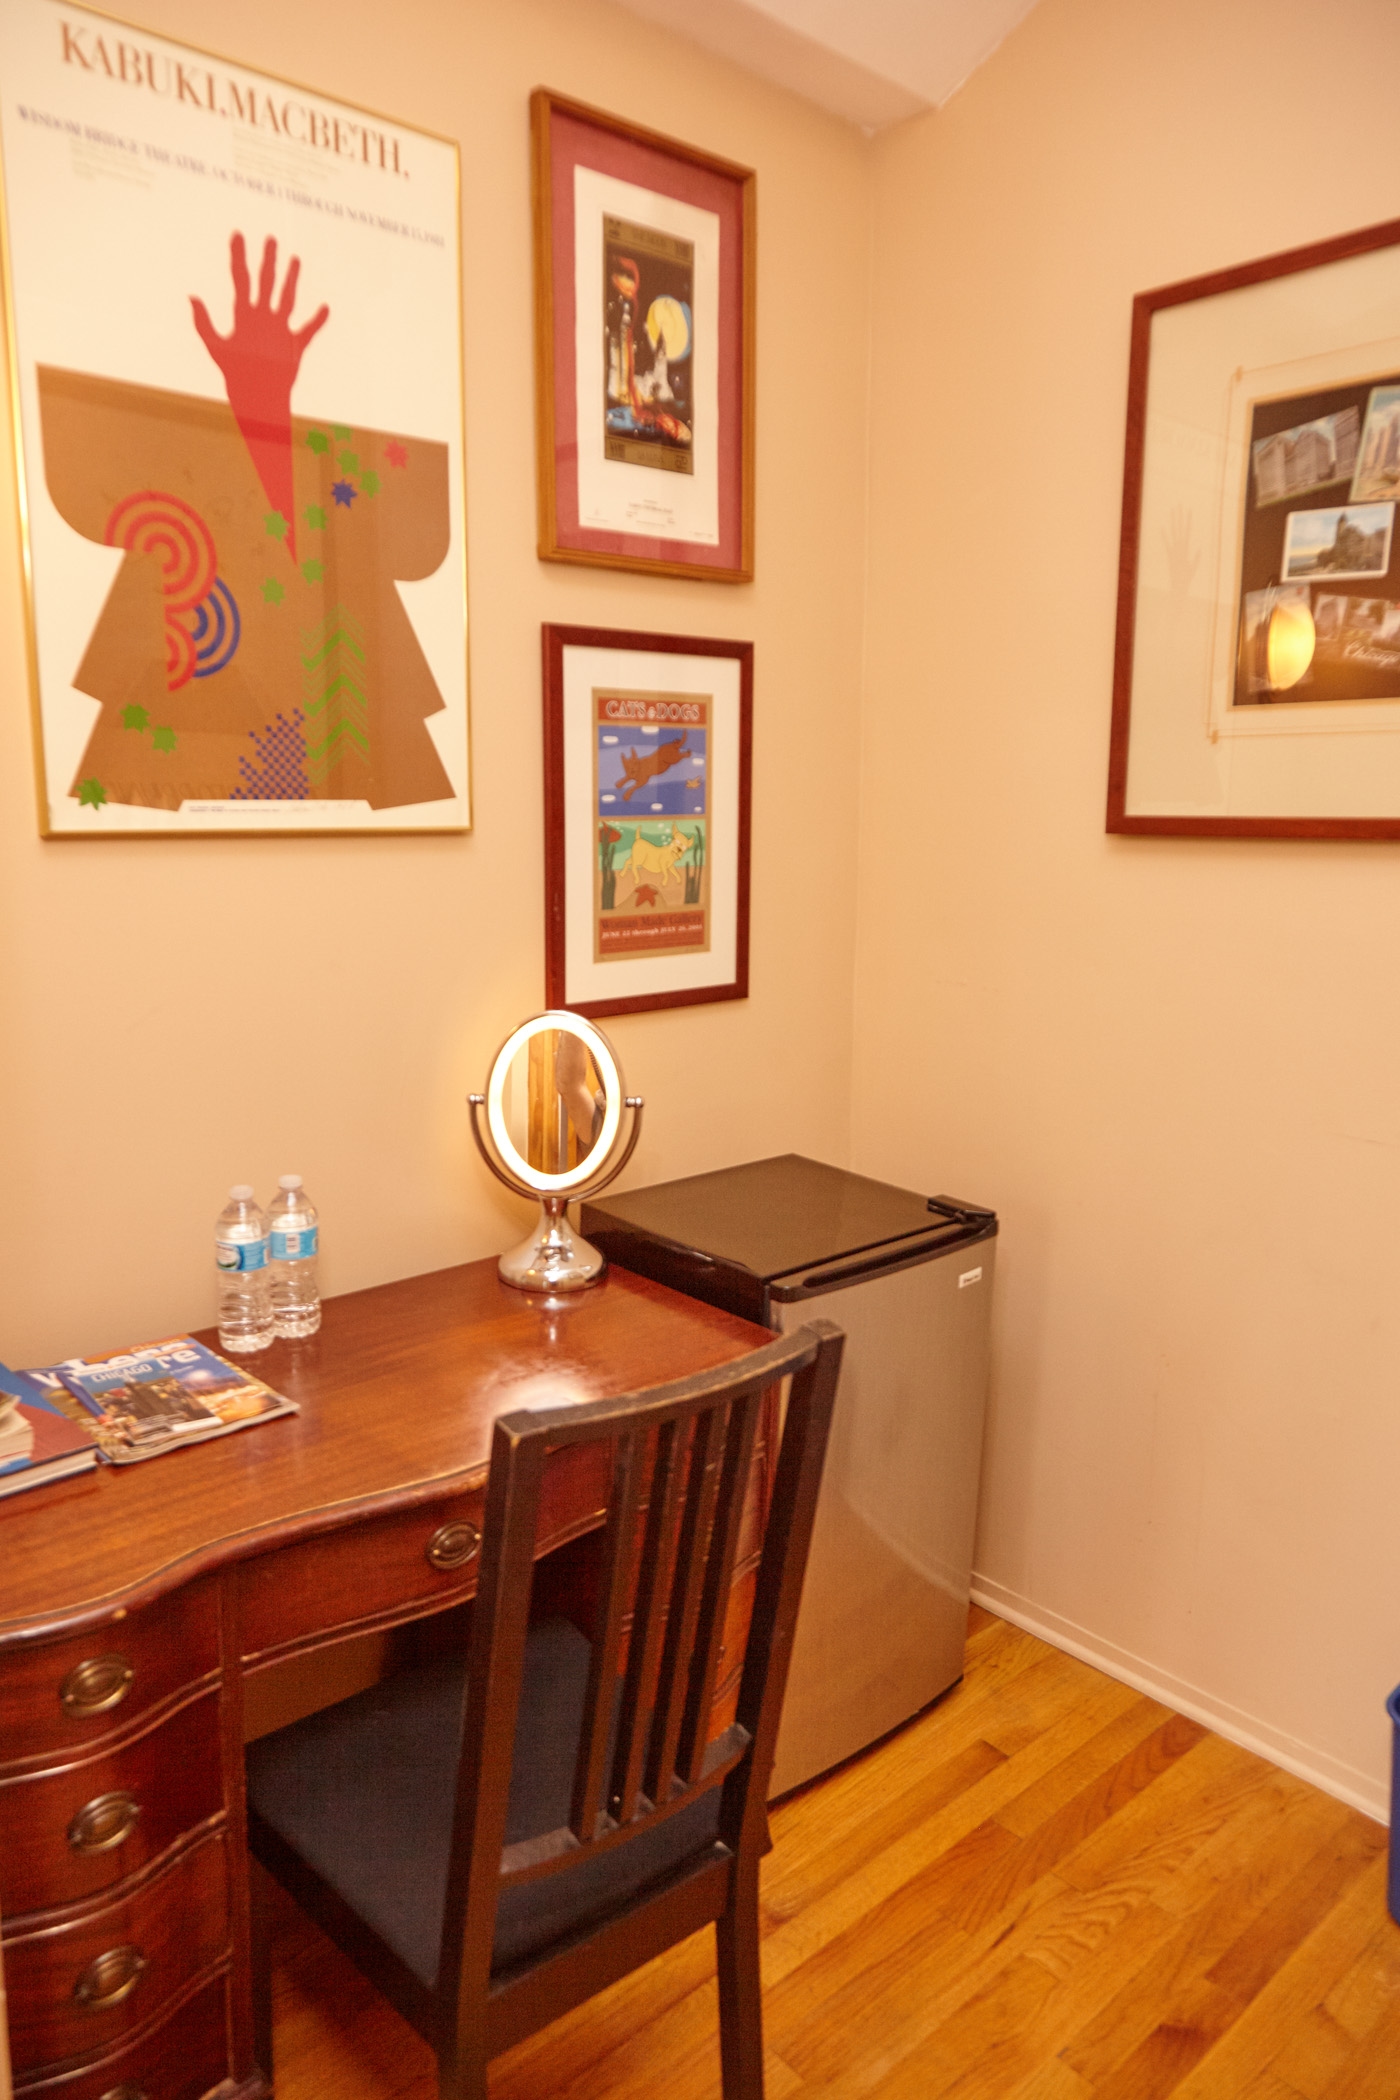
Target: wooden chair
492 1844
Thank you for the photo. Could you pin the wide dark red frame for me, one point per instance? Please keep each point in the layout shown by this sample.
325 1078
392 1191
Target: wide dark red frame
555 640
566 134
1145 305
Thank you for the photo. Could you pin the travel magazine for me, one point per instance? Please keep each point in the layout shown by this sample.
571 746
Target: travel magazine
156 1398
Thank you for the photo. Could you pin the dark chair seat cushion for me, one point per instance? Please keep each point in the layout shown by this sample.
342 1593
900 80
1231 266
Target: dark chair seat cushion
364 1793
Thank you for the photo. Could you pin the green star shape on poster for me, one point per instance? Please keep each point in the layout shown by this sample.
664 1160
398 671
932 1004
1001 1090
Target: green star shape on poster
313 571
318 441
163 738
91 794
369 484
276 525
350 462
341 431
134 718
273 592
315 517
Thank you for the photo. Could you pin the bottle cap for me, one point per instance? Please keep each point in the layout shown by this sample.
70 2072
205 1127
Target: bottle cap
241 1191
289 1181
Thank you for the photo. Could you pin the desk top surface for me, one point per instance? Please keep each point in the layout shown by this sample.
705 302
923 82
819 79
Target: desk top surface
398 1393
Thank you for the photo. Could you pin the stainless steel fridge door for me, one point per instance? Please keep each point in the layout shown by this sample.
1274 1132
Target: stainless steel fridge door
883 1622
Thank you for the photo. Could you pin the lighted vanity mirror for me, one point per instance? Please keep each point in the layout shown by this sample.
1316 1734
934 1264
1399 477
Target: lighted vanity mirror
550 1124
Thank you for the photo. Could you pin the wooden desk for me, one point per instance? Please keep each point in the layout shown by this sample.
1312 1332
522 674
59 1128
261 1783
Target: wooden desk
135 1601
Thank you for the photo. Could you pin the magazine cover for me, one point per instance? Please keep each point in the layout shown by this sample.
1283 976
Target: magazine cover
38 1440
158 1397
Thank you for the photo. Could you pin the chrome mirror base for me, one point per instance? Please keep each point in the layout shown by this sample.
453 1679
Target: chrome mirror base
552 1258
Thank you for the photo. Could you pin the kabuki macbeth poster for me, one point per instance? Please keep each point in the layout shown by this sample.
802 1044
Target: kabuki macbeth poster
235 334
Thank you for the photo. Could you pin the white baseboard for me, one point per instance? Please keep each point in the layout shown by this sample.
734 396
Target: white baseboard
1348 1784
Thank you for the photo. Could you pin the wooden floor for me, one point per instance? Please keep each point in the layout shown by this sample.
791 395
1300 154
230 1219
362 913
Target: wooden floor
1048 1888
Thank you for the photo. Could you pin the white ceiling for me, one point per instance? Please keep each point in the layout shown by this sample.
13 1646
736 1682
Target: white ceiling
873 62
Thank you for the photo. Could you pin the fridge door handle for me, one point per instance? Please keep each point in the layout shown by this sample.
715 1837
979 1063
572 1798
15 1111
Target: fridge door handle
891 1256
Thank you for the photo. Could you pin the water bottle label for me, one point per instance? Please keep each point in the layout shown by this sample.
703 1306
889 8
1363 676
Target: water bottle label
240 1254
295 1246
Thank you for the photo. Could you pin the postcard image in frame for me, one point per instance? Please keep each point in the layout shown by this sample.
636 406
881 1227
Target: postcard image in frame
647 791
644 332
234 314
1257 667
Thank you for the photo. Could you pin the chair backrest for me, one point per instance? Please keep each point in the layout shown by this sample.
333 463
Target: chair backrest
680 1463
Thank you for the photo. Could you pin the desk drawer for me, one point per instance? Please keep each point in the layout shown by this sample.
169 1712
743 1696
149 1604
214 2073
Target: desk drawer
69 1833
80 1987
63 1695
365 1575
182 2059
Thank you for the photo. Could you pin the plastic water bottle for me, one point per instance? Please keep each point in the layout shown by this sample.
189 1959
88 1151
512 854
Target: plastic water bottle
240 1256
296 1297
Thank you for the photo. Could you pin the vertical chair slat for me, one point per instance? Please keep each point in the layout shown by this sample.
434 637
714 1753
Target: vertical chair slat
495 1666
648 1619
619 1559
709 1632
806 1430
702 1490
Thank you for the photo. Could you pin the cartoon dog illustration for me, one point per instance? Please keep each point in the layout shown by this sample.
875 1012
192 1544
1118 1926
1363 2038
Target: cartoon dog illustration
660 861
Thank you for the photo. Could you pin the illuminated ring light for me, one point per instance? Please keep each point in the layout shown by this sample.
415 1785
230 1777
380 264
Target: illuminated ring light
179 655
606 1067
152 522
218 629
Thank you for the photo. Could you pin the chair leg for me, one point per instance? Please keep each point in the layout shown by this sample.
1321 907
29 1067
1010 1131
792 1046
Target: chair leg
461 2073
740 1989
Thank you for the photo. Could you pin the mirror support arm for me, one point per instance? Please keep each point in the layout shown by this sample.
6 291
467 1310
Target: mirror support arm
476 1102
636 1104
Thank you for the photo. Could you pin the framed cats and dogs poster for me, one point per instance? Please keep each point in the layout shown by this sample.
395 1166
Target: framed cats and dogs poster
644 341
234 314
647 747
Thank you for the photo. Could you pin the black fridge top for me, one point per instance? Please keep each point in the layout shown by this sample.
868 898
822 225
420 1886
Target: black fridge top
771 1217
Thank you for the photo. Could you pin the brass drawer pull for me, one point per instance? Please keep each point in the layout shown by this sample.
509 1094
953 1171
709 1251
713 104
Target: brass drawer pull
110 1979
96 1686
104 1822
124 2092
453 1545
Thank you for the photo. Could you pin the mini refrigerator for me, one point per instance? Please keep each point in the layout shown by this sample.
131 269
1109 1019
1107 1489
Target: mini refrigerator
883 1621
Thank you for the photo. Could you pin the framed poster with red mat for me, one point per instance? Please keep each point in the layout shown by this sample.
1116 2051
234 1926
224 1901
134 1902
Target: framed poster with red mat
648 745
644 347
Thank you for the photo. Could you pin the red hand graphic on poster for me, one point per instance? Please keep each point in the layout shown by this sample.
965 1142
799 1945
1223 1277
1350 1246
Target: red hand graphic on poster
260 358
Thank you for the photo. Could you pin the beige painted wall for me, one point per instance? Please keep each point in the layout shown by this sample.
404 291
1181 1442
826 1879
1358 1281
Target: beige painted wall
159 1040
1174 1066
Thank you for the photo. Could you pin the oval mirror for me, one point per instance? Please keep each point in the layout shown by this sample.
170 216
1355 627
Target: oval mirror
554 1106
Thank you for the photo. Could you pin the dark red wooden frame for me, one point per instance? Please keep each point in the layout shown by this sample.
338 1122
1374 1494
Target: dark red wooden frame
1145 305
646 157
555 641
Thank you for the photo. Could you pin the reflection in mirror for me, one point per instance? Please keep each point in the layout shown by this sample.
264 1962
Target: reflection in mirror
567 1102
554 1101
